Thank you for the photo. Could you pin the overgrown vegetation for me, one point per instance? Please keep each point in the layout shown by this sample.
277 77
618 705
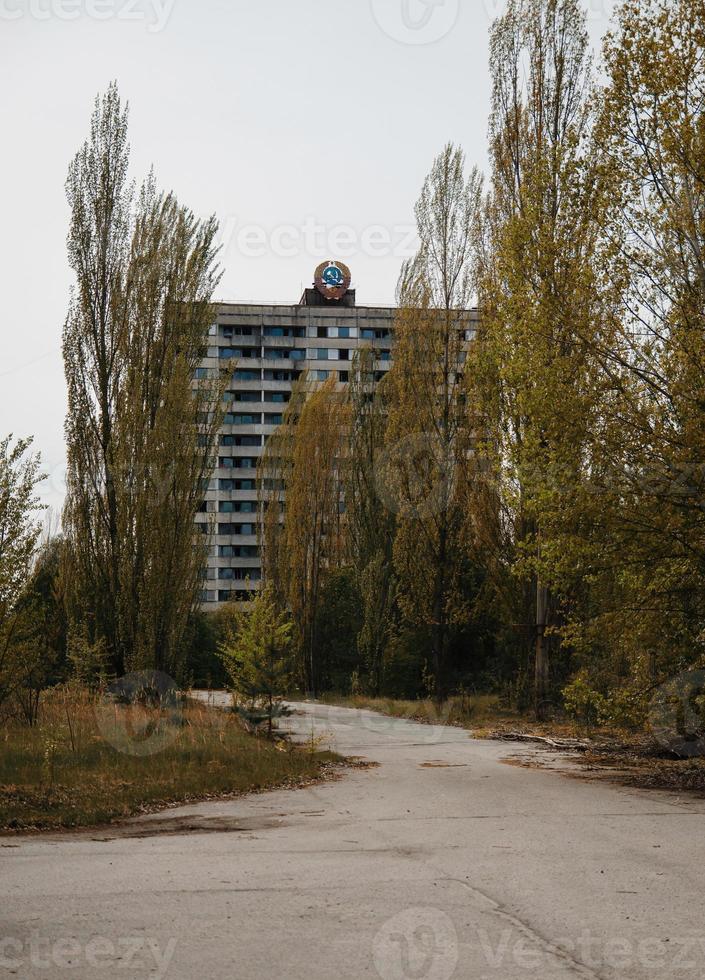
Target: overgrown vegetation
88 760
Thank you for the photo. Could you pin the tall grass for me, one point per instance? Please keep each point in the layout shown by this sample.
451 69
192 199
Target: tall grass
88 761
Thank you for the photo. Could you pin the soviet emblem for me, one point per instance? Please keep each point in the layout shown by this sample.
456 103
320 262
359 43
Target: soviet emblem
332 279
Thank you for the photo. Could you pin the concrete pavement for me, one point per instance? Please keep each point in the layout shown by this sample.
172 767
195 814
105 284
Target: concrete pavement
442 862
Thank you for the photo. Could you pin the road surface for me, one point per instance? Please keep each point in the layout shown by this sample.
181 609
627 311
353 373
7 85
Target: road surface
441 862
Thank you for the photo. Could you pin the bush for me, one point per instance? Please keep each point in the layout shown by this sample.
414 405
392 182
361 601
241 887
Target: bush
582 702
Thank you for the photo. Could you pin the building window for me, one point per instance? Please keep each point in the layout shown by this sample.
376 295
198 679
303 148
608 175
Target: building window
238 551
237 507
235 418
273 418
241 396
283 332
233 440
239 574
228 485
227 353
236 529
237 462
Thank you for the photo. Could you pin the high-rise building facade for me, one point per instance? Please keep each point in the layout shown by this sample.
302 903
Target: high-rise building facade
269 347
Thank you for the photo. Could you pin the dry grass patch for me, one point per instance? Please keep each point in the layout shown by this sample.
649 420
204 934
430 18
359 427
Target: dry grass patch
471 711
89 762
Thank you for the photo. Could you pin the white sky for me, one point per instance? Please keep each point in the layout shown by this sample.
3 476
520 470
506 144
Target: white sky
313 121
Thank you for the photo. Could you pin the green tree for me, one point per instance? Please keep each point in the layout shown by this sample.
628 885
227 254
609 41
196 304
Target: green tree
301 481
140 433
371 525
19 534
533 376
423 472
256 655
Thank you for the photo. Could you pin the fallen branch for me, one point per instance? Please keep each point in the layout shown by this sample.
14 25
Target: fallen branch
560 744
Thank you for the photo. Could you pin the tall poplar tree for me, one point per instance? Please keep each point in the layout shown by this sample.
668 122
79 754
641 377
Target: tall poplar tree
428 439
140 432
370 524
301 482
531 367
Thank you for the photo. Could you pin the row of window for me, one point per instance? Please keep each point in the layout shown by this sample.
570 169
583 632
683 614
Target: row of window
294 353
240 574
229 332
352 333
242 353
237 507
283 375
251 418
257 396
238 551
233 440
237 529
284 353
237 462
237 485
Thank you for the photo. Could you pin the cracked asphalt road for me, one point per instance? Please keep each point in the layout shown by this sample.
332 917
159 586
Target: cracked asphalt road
439 863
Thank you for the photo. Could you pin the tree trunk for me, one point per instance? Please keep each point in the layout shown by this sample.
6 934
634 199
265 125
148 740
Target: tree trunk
542 655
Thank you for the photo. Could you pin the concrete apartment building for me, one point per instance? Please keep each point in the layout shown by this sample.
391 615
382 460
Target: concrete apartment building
270 346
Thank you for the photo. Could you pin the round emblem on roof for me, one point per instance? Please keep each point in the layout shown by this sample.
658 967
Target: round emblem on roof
332 279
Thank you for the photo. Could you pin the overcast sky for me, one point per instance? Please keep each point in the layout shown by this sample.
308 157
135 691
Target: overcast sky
306 126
